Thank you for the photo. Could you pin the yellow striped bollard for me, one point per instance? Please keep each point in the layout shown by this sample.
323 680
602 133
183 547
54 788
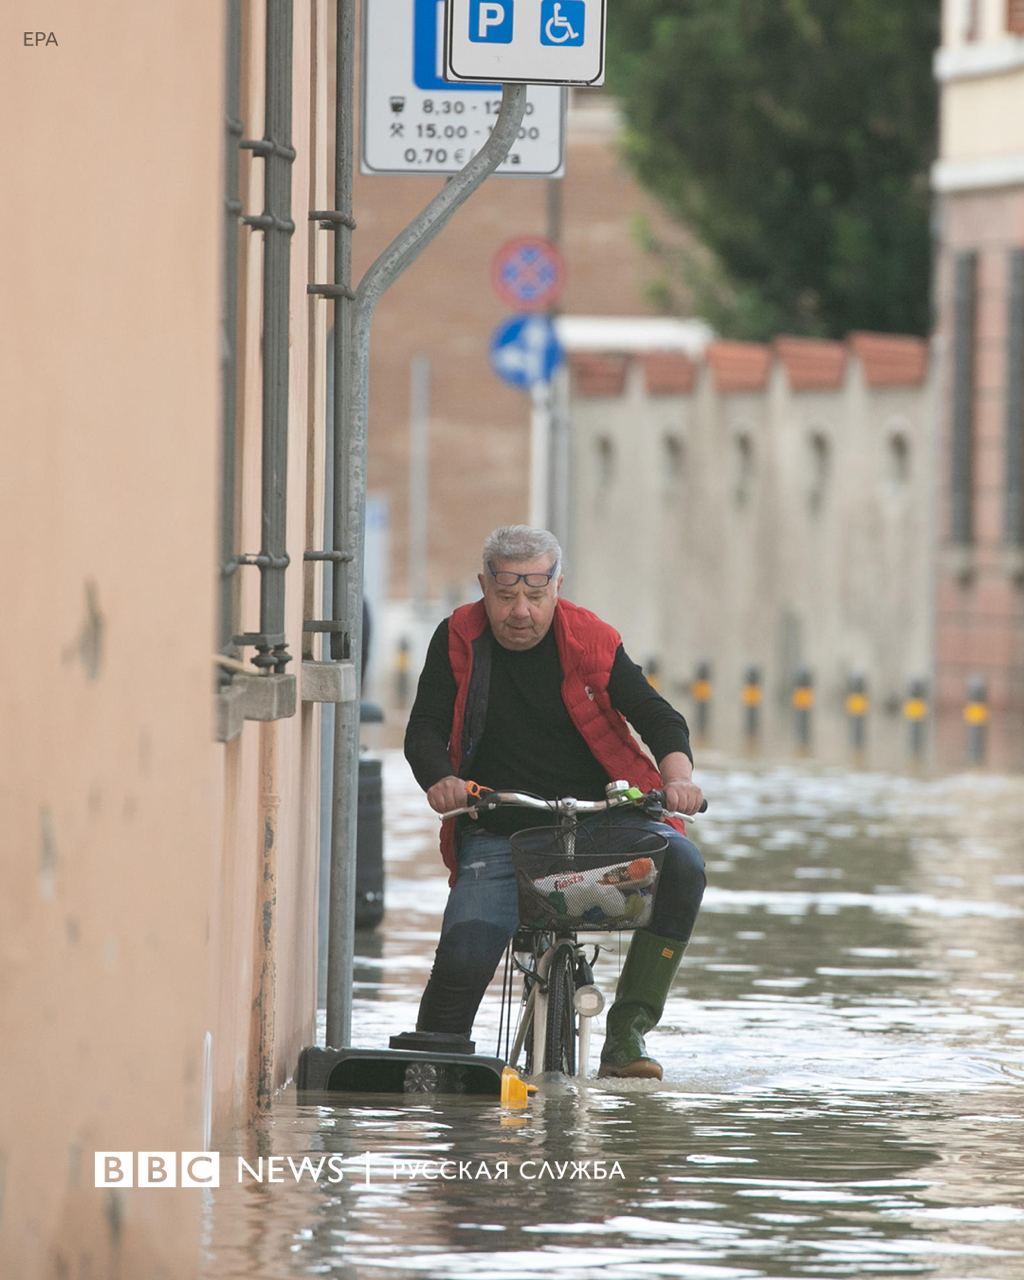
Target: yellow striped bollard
700 691
803 705
752 696
856 710
976 719
402 672
915 712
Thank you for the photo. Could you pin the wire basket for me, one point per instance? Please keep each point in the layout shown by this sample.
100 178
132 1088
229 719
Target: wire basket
596 879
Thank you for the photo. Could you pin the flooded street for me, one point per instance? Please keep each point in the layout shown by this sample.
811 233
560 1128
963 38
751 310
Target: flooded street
843 1052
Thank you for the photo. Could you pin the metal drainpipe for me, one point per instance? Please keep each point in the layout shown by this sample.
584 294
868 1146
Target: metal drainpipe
352 399
276 224
265 959
229 337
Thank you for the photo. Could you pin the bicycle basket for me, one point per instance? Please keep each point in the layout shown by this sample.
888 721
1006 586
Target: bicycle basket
594 879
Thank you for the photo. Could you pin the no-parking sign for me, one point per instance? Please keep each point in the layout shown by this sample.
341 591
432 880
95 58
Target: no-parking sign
528 273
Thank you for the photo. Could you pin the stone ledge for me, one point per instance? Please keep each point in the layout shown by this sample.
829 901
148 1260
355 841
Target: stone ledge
267 697
328 681
228 714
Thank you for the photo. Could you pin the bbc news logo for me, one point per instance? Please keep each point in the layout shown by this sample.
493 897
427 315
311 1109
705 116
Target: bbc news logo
157 1169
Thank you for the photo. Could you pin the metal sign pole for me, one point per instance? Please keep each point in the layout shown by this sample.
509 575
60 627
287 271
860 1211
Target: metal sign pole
419 479
540 450
342 881
350 534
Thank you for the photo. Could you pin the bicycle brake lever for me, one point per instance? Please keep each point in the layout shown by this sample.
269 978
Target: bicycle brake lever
654 806
480 798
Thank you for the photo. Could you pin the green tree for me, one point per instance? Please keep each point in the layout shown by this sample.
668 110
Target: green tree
794 138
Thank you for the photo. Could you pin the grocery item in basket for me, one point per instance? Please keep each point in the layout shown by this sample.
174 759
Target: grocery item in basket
618 892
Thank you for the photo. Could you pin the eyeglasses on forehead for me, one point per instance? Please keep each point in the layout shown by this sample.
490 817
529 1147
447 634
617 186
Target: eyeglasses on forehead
506 578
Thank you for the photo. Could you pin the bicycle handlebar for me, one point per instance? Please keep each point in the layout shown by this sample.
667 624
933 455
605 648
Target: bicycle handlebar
484 799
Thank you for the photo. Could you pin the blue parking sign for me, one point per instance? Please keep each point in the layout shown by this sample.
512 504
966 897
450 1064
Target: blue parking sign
428 52
490 21
563 22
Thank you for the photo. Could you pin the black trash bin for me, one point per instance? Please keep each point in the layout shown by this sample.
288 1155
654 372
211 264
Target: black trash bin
370 845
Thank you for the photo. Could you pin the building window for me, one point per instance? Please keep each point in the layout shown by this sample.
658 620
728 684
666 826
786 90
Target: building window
672 458
898 458
1014 499
820 465
605 461
965 291
971 10
1015 16
743 468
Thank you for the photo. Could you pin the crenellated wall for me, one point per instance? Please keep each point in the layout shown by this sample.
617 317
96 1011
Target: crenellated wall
761 505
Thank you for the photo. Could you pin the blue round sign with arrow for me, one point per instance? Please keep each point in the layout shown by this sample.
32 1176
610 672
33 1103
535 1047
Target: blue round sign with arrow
525 351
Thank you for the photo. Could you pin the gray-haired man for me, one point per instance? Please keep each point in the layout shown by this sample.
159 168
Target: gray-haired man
523 690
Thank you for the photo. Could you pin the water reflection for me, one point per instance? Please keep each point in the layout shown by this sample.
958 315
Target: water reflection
843 1071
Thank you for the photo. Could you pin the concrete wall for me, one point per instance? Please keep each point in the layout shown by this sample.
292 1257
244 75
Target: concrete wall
159 926
110 363
770 509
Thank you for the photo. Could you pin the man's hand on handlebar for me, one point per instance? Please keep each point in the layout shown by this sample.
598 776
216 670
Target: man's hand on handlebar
447 794
683 797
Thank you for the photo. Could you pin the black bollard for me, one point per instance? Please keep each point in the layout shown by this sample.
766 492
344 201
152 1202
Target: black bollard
752 697
402 672
915 712
803 705
976 718
856 710
700 690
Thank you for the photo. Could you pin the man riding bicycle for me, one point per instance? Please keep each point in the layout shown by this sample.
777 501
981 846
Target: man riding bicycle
525 691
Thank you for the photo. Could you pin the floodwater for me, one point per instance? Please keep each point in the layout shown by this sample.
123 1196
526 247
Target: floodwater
844 1062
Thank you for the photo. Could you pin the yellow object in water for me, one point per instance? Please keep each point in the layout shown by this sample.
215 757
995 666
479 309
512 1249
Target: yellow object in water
515 1092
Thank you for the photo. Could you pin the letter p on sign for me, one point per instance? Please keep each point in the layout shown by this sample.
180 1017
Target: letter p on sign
490 21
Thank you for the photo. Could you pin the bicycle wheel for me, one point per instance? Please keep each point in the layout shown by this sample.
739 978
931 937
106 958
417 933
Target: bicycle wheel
560 1045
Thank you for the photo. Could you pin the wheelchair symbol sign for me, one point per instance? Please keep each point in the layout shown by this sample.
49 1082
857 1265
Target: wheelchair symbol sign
563 22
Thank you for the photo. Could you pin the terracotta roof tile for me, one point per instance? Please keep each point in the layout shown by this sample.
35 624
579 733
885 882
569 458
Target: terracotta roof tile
812 364
668 373
739 366
598 373
890 359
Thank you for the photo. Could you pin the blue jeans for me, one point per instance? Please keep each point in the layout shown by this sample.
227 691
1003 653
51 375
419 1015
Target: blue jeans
482 915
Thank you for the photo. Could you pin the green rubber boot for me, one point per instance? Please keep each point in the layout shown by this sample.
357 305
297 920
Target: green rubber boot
651 964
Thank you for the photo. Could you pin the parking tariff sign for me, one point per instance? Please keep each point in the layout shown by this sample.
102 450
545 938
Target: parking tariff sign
414 121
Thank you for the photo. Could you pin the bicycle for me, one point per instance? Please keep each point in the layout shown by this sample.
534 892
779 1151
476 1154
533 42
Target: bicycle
570 886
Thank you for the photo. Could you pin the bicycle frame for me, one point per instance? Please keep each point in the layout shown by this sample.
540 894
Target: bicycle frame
534 1014
533 1021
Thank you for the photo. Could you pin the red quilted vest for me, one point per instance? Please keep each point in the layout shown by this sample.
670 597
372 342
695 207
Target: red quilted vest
586 651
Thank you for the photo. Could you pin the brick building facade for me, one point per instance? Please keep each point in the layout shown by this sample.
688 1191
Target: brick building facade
979 294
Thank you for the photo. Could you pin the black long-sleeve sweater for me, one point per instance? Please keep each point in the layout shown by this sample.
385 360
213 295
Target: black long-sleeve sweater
529 742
